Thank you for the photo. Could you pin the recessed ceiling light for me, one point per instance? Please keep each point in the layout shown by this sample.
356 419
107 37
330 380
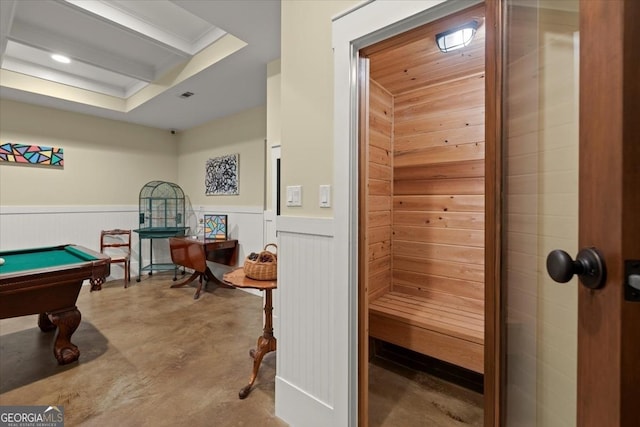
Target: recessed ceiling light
60 58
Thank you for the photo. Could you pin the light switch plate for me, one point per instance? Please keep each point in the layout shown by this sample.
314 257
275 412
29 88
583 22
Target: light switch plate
294 195
325 196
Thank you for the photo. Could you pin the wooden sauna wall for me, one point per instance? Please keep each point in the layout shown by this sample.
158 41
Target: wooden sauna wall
379 188
438 191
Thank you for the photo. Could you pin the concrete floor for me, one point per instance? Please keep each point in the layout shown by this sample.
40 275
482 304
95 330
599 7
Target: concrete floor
399 396
154 356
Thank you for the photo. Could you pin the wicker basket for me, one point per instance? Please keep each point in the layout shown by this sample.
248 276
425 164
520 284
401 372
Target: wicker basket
262 270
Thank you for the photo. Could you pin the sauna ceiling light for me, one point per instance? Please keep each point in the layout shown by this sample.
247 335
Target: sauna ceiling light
456 38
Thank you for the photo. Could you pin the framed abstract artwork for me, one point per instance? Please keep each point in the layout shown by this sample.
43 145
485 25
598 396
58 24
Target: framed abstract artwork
31 154
215 227
221 176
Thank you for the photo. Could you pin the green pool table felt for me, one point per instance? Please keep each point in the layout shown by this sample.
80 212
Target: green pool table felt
33 259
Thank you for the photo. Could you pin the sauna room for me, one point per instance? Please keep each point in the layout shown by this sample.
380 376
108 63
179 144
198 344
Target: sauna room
422 183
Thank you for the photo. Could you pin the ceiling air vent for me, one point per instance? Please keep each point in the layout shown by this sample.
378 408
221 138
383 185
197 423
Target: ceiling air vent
186 95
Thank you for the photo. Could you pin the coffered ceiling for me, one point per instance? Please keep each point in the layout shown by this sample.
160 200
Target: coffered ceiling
138 61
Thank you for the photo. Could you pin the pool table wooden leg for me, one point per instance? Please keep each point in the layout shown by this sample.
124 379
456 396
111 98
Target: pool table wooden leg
67 322
44 323
96 283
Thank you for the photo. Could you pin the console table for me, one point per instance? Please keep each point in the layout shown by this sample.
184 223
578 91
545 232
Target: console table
194 253
266 342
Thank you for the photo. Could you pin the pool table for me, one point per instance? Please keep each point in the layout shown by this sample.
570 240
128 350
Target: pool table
47 281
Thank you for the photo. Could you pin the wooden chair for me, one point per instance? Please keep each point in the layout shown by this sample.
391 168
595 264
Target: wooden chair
117 245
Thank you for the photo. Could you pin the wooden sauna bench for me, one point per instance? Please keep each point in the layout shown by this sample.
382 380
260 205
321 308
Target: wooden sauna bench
439 325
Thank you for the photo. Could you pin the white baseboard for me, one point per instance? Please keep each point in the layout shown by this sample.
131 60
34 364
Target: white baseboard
298 408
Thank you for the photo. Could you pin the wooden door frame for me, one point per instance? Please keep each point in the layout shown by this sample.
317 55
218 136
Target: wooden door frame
363 270
610 28
608 347
493 189
494 329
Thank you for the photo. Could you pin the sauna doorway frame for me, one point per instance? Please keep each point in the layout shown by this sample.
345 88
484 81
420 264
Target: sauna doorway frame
366 25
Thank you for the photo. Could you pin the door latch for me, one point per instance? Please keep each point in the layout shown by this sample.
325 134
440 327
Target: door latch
632 280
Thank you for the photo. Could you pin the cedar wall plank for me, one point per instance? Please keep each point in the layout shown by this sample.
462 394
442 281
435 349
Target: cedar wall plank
379 234
453 270
408 111
462 169
470 116
379 265
378 283
378 187
379 190
377 171
380 218
447 236
379 156
438 199
438 96
379 203
379 140
380 124
440 186
464 220
455 153
379 250
437 251
464 203
466 135
439 284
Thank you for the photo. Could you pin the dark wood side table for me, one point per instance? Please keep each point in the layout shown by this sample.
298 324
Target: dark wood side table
266 342
194 253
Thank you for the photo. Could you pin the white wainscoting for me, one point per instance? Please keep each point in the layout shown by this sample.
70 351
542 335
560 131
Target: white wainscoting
38 226
305 383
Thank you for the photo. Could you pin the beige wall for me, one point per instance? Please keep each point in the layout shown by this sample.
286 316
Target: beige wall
243 133
274 124
307 99
106 161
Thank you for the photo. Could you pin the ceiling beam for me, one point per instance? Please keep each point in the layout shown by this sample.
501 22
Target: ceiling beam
7 11
53 75
37 37
133 25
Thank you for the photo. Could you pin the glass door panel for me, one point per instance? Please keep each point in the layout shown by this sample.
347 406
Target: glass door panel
540 209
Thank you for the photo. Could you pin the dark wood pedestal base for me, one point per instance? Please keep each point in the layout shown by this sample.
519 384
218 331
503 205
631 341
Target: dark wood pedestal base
194 253
266 342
